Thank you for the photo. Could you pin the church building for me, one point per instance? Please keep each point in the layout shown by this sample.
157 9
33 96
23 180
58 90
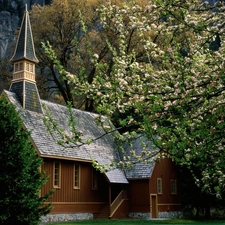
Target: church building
81 192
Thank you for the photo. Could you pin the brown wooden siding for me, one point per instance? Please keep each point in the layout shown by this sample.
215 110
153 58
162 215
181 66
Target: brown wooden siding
92 207
141 190
169 207
165 170
123 210
139 196
91 199
66 199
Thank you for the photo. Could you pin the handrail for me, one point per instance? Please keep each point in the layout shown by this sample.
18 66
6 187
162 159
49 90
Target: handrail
121 196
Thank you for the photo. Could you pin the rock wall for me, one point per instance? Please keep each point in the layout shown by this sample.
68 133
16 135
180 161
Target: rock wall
6 31
51 218
161 215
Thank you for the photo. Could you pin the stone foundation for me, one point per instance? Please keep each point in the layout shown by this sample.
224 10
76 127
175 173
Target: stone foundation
139 215
170 215
66 217
147 216
50 218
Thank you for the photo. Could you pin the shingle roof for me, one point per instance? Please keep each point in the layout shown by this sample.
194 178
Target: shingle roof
25 46
27 94
141 170
103 150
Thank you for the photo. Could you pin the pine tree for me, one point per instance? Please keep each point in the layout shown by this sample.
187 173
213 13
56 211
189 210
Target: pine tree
20 175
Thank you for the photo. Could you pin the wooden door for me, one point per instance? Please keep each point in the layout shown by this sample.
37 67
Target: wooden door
154 206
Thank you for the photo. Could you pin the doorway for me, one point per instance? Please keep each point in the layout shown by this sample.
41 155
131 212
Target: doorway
154 206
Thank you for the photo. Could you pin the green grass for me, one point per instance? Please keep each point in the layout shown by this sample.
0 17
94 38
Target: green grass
144 222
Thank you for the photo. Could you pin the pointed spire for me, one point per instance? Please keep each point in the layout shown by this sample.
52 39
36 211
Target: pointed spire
24 60
25 46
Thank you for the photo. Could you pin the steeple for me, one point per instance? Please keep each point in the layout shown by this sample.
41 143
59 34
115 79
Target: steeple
24 60
25 45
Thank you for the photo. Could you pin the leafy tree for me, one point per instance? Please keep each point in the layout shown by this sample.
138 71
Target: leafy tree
171 87
78 39
63 31
20 176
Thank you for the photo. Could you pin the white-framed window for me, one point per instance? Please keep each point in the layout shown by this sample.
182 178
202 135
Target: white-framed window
159 185
173 186
76 179
56 174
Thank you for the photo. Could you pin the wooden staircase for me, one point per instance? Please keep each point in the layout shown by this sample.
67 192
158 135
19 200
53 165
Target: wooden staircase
116 209
104 214
118 205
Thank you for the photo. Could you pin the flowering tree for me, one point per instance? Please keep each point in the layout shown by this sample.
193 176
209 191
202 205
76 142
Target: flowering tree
63 31
171 87
74 31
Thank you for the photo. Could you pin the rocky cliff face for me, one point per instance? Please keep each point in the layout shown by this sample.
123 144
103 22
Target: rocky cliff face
11 12
6 31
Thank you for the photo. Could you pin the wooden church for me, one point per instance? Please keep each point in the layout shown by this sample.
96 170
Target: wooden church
146 191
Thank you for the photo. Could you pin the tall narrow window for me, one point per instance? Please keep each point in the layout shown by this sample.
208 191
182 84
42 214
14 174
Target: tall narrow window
31 68
76 183
173 184
57 174
94 179
159 185
16 67
27 66
21 66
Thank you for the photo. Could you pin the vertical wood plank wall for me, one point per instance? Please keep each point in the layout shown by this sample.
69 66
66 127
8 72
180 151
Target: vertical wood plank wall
165 170
123 210
138 195
67 199
140 190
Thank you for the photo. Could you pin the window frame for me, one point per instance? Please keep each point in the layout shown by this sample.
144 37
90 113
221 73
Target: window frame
57 175
16 67
173 186
21 66
27 66
76 176
159 186
32 68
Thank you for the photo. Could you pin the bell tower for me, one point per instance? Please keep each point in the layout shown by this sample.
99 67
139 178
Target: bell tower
24 61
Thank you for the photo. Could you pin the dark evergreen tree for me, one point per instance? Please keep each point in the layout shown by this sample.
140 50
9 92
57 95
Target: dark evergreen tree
20 175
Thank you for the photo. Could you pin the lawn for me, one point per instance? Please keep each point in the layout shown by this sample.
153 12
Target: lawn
143 222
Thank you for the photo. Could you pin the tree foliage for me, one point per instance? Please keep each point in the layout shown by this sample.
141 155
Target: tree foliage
20 176
171 85
64 32
74 30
